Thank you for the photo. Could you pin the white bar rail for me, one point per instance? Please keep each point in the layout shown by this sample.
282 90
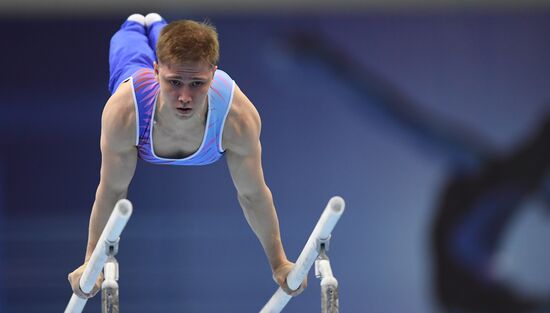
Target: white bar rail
116 223
322 231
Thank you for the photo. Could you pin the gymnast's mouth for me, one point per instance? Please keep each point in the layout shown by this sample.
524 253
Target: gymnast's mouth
184 110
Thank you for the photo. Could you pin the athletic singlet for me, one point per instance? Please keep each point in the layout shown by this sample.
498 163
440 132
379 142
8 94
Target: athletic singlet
146 90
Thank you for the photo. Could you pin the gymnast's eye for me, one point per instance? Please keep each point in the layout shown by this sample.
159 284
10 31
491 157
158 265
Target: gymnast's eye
175 83
197 84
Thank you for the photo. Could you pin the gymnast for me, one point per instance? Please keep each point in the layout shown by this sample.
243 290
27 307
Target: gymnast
170 104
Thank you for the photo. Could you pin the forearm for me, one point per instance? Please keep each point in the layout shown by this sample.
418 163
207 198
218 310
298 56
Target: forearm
104 204
260 214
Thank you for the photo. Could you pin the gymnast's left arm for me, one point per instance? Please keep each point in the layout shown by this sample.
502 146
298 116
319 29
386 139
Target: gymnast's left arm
243 154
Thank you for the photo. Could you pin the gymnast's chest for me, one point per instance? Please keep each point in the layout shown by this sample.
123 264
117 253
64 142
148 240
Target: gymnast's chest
176 146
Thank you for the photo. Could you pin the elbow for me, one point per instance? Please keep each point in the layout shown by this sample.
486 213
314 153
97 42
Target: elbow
255 198
110 191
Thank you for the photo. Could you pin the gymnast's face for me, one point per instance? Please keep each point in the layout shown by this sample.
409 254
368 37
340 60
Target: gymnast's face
184 87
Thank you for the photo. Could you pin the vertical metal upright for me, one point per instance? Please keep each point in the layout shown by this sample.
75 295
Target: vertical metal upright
110 301
329 284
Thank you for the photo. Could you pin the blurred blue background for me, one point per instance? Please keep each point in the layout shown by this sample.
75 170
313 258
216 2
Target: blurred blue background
378 106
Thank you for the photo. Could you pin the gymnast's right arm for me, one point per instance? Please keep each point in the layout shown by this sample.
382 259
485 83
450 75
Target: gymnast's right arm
118 163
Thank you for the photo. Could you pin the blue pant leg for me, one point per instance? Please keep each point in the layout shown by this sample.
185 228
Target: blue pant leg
153 32
129 51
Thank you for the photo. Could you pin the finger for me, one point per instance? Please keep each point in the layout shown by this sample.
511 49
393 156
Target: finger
284 286
97 285
75 286
77 291
291 292
301 289
297 291
95 290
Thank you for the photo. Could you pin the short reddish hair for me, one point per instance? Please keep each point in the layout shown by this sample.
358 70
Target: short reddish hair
188 41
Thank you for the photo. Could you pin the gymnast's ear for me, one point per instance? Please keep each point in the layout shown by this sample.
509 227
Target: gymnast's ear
156 69
213 70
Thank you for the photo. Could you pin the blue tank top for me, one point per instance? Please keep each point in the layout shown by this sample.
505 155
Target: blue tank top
146 91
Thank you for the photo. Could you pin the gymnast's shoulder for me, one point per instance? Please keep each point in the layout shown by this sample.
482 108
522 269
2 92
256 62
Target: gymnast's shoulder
243 124
118 121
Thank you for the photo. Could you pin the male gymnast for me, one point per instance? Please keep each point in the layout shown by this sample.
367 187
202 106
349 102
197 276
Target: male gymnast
170 104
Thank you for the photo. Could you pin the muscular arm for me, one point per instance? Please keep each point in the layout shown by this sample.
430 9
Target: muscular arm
118 161
256 201
243 153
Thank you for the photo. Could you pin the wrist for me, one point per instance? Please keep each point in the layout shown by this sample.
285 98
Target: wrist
276 264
